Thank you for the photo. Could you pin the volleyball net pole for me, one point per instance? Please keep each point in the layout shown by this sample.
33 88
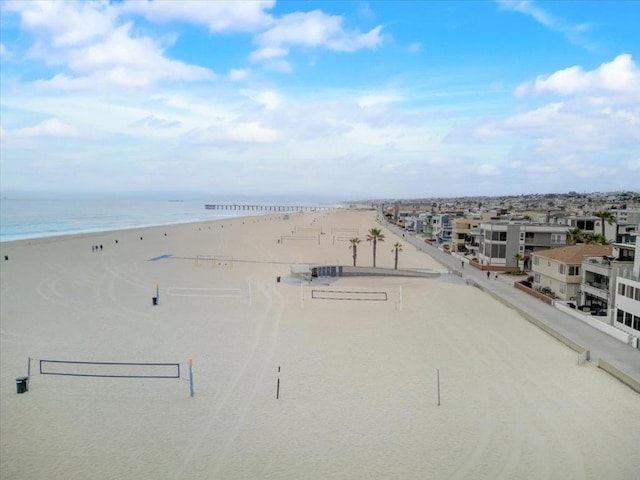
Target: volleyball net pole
191 391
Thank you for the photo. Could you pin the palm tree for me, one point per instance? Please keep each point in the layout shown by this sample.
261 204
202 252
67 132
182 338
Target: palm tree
605 216
354 247
575 235
597 239
518 257
398 248
375 235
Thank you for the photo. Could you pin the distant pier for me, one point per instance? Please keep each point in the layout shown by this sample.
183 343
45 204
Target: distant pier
267 208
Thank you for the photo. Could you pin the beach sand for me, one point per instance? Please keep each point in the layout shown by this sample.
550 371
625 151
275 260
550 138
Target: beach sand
357 394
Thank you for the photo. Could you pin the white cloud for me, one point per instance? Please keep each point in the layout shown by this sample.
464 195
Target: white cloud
238 74
65 23
217 16
574 33
123 61
83 39
488 169
374 99
267 53
618 76
49 128
313 29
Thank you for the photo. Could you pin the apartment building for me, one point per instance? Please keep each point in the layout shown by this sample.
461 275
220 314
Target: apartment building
626 313
465 233
500 242
599 276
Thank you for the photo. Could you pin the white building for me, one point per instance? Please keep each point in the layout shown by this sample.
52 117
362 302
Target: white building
627 298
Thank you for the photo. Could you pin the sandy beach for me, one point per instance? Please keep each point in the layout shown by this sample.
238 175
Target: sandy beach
353 362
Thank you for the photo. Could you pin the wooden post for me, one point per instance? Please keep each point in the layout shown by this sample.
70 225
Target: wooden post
438 384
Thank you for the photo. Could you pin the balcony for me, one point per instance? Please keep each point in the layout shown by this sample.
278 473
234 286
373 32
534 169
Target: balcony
597 290
597 265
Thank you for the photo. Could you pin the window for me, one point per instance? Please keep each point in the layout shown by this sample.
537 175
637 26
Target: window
536 278
629 292
628 318
521 236
561 269
498 251
620 316
637 295
636 322
621 288
558 238
499 236
574 270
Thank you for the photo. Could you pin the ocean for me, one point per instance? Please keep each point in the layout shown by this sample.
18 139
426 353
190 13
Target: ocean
35 218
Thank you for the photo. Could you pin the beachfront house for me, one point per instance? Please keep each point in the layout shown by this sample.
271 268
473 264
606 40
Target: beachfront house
559 270
627 297
465 233
500 242
599 276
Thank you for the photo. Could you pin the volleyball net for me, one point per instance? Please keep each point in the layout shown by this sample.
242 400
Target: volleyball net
220 261
72 368
150 370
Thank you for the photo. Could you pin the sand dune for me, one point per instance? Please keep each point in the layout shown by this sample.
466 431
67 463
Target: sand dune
357 395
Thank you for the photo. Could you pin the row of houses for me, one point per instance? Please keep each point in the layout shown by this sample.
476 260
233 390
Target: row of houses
603 280
599 279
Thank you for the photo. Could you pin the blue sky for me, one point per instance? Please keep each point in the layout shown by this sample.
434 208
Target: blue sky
338 99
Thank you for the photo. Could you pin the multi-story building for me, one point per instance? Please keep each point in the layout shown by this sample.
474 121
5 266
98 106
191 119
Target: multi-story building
464 234
500 242
626 313
442 229
599 276
559 270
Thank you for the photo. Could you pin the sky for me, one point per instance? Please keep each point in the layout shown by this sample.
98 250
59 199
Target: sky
339 99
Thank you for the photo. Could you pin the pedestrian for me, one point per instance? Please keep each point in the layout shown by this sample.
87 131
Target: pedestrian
100 247
488 275
462 264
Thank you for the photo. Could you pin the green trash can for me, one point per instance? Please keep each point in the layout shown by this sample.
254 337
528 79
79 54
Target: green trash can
22 384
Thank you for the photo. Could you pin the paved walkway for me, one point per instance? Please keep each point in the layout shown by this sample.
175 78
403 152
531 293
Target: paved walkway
600 345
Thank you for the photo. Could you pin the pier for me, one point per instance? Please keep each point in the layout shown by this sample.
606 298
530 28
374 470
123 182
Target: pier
267 208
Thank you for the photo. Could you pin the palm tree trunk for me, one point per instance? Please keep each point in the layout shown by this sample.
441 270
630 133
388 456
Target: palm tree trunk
396 262
355 254
374 253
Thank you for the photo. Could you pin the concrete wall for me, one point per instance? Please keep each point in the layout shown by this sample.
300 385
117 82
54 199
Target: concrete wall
623 377
387 272
614 332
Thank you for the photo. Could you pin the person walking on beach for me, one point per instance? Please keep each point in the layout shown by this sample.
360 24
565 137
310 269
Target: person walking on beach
488 275
462 263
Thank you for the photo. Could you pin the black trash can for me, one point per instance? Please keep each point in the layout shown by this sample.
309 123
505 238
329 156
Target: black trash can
22 384
154 300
